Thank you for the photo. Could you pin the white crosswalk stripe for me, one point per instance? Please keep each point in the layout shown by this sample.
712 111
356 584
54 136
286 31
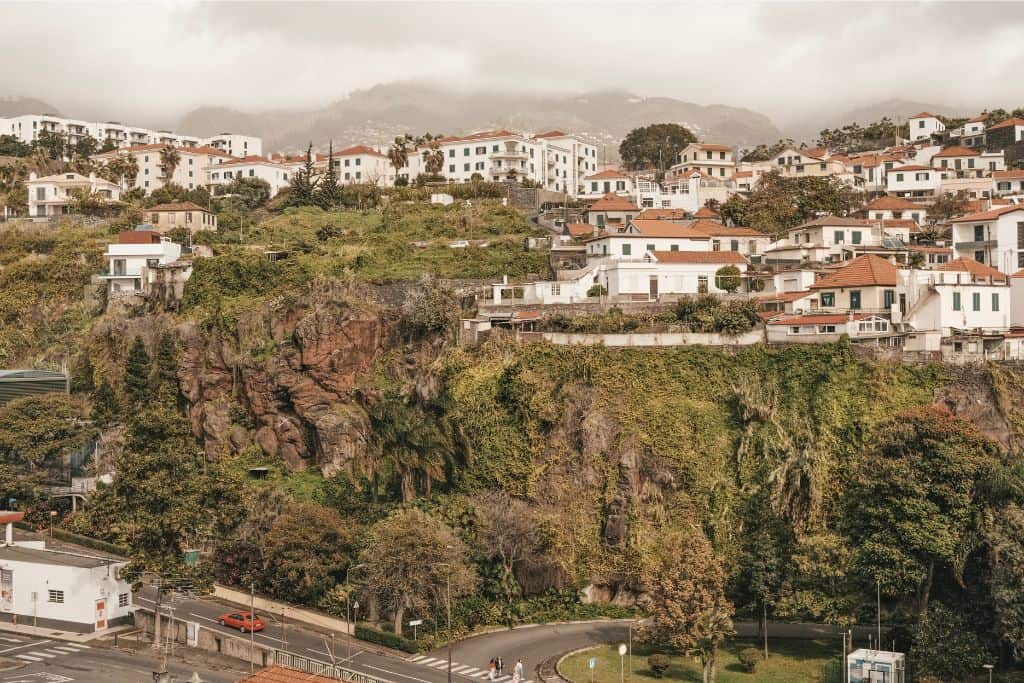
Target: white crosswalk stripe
440 665
76 646
428 661
10 640
65 649
28 658
471 672
460 668
40 653
418 658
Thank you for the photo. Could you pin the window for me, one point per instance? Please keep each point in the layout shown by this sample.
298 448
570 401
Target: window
122 600
481 150
465 152
995 302
55 596
888 298
465 167
826 329
794 330
556 289
451 153
451 168
979 233
970 163
627 249
721 155
1020 234
734 245
899 177
838 237
716 245
593 187
674 247
620 185
979 256
921 176
855 299
823 166
976 301
855 236
359 174
920 124
828 299
650 247
348 176
40 194
702 284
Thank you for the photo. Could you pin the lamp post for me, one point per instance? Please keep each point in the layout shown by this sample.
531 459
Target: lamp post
448 606
348 610
622 663
988 667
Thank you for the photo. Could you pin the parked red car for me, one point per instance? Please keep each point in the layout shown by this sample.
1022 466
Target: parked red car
243 621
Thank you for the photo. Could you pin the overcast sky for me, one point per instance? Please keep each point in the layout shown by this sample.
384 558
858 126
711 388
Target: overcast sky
156 61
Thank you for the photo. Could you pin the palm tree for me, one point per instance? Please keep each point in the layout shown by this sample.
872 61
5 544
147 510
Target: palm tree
796 485
399 152
433 157
169 158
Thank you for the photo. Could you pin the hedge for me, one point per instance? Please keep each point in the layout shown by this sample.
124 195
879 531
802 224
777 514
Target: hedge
77 539
395 642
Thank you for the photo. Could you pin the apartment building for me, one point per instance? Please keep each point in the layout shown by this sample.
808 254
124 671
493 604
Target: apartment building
711 160
913 180
968 162
190 173
923 125
277 174
896 208
53 195
599 184
361 164
994 237
28 127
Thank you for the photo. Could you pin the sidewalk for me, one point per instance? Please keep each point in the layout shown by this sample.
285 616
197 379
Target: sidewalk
70 636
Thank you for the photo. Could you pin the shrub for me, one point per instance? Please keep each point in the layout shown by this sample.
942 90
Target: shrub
749 657
659 664
395 642
597 290
728 278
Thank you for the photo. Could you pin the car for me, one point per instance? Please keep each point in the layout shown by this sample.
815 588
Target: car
243 621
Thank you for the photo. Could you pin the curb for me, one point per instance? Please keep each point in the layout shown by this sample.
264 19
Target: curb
570 653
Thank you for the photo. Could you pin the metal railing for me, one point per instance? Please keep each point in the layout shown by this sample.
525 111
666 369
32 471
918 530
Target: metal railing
315 666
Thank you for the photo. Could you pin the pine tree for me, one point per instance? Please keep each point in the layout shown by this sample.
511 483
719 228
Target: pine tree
328 195
136 372
167 362
104 404
305 181
82 380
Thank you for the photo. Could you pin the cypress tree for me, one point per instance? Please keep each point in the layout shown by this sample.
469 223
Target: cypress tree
167 362
104 404
329 194
136 372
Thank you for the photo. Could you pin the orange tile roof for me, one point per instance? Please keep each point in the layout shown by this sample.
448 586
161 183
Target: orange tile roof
820 319
923 115
649 228
714 148
929 250
978 270
990 215
911 167
835 221
957 151
158 146
662 214
743 174
482 135
716 229
1018 274
706 212
785 297
1015 121
1012 173
606 175
907 223
279 674
892 204
864 271
179 206
708 257
580 229
251 159
550 134
613 202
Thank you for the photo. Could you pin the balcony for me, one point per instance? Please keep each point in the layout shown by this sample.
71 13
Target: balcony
509 154
975 244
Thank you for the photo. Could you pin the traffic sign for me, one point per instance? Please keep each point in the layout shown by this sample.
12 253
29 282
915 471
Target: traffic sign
416 622
592 663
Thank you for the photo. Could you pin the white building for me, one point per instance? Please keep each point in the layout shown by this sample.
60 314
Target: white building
599 184
191 172
896 208
913 180
960 295
684 193
28 127
823 328
924 125
642 236
56 589
361 164
993 237
1016 125
132 259
53 195
828 238
712 161
277 174
1010 182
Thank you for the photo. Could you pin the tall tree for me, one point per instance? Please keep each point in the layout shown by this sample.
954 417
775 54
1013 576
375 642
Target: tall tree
411 561
137 371
87 146
307 550
167 361
655 146
509 534
398 153
433 155
105 406
329 194
305 181
780 203
686 600
170 157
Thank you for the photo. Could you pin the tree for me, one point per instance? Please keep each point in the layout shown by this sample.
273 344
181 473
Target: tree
253 192
686 600
945 206
105 406
307 551
654 146
945 647
328 195
51 145
305 181
398 153
508 533
170 157
765 152
1005 538
913 504
86 147
37 431
728 278
108 146
10 146
433 155
123 169
137 371
167 362
780 203
410 561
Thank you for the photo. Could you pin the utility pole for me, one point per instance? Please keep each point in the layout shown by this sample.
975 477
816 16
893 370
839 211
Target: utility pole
878 596
156 613
252 623
764 621
448 593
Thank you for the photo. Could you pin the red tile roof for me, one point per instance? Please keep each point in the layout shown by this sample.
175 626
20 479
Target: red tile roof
1015 121
923 115
662 214
716 229
911 167
580 229
957 151
613 202
482 135
990 215
785 297
1018 274
150 148
138 237
900 223
892 204
706 212
714 148
819 319
606 175
179 206
929 250
835 221
864 271
708 257
649 228
550 134
279 674
978 270
1012 173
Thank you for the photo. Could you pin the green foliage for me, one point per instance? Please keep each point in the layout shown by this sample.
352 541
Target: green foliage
654 146
429 309
710 314
329 193
254 193
597 290
105 406
307 551
750 657
305 182
728 278
167 362
374 635
11 146
945 647
765 152
658 664
856 138
36 432
137 371
780 203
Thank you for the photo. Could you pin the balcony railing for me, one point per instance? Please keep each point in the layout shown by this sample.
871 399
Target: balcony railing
509 154
976 244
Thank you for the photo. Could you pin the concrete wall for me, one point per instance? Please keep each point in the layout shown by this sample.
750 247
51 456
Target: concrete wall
279 608
755 336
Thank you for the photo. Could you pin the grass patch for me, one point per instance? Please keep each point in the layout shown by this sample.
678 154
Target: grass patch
790 661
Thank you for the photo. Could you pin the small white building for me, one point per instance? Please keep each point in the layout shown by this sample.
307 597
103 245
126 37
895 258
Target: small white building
642 236
960 295
993 237
711 160
875 666
234 144
896 208
57 589
1009 182
924 125
913 180
133 258
361 164
822 328
599 184
277 174
53 195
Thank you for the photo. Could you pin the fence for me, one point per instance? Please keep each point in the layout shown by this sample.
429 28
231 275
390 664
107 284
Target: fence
315 666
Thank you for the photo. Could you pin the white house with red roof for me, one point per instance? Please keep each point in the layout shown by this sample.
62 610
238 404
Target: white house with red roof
711 160
968 162
360 164
54 195
924 125
642 236
960 295
190 173
913 180
994 237
605 182
277 174
1009 182
865 284
896 208
799 163
824 328
612 212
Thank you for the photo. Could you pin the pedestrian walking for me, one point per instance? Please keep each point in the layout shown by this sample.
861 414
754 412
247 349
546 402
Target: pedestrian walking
492 668
517 673
501 665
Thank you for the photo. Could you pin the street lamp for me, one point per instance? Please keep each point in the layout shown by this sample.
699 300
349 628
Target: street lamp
348 611
448 606
622 662
989 667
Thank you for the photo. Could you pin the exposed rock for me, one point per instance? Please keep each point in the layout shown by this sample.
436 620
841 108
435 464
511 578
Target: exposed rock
970 394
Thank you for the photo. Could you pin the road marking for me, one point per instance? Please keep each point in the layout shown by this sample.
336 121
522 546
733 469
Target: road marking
429 661
65 650
39 653
246 634
460 668
471 672
28 658
19 647
11 640
440 665
418 658
76 646
393 673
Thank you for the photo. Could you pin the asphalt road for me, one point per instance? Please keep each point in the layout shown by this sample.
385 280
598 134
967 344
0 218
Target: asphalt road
52 661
